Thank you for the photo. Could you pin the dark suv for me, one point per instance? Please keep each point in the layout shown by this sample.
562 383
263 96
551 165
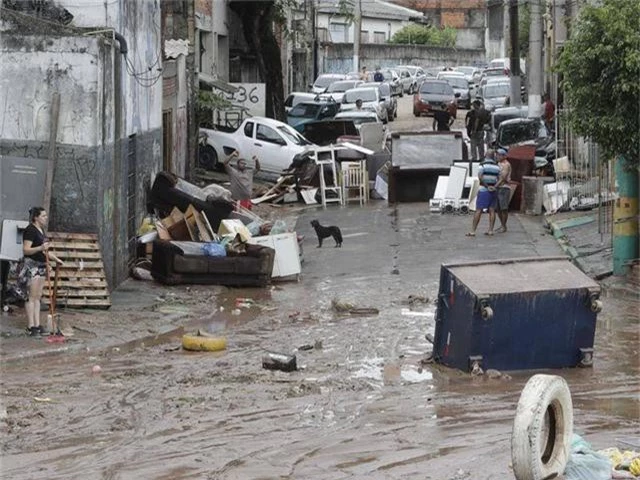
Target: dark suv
432 95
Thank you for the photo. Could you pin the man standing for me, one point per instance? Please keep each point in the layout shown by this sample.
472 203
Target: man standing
241 178
364 74
442 119
503 189
488 175
474 122
378 76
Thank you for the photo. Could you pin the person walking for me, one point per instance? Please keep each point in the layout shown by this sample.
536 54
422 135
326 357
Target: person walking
504 189
241 178
475 121
486 200
33 272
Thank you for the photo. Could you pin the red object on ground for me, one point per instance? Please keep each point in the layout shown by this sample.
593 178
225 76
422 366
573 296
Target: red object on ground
56 339
246 204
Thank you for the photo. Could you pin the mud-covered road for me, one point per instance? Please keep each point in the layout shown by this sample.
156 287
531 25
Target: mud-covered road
362 405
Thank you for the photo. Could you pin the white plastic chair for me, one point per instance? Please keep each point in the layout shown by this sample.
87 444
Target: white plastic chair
354 180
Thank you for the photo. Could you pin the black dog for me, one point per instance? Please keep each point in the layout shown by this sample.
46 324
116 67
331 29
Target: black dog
325 232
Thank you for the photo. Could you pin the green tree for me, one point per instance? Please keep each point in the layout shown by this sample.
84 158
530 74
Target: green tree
600 68
258 19
425 35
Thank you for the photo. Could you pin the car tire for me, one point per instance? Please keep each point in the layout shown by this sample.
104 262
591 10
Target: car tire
542 429
208 157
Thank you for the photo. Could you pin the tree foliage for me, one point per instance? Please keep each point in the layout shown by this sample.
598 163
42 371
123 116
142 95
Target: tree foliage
426 35
600 68
258 18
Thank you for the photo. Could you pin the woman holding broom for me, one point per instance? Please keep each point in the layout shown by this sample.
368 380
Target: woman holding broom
32 276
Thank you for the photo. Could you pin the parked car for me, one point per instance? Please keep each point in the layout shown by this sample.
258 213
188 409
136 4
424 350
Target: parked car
494 94
275 143
324 80
461 86
392 78
433 71
519 131
406 80
417 74
390 101
336 89
358 117
499 115
434 94
472 74
371 99
295 98
506 64
317 109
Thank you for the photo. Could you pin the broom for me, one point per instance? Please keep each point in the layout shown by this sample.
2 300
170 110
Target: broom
55 335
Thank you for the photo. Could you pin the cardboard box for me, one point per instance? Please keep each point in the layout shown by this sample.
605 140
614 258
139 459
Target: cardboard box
233 227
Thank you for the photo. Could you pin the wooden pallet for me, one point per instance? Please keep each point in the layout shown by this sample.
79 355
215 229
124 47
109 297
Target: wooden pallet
81 280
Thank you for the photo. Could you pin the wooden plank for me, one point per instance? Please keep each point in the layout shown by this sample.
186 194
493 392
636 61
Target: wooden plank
73 236
85 265
53 135
66 274
84 283
76 246
77 255
79 303
72 293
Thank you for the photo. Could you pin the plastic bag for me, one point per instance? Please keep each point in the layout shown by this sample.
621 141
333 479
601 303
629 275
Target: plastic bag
585 463
278 227
254 228
213 249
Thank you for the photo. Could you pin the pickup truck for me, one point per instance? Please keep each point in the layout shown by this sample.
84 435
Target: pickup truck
273 142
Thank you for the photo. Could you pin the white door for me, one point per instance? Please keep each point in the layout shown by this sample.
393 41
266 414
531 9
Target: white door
271 149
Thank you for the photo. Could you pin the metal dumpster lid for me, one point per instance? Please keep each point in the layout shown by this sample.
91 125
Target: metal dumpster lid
521 275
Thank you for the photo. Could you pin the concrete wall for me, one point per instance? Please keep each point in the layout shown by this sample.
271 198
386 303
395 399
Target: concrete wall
370 25
106 101
175 97
338 58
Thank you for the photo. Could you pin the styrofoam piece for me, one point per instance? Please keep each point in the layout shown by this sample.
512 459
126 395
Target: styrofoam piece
455 185
473 194
475 167
468 183
555 196
441 187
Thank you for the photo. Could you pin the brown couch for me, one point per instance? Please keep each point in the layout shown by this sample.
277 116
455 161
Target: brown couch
172 266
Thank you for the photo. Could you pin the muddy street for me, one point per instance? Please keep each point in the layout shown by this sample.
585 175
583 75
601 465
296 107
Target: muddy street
361 405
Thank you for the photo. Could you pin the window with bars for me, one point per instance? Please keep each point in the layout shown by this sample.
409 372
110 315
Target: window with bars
379 37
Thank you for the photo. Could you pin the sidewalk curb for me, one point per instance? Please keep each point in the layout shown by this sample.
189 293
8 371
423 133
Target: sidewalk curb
556 227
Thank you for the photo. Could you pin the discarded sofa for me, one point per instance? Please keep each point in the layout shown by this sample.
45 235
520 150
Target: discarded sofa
170 191
175 263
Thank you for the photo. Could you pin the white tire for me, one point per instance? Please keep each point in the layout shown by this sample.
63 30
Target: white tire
542 429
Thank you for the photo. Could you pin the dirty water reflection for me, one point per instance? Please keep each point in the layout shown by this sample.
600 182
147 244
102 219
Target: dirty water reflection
362 405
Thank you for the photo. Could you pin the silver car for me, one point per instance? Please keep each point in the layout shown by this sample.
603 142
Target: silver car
460 85
494 94
390 101
371 99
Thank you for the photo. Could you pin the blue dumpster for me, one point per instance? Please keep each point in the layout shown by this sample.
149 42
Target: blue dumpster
515 314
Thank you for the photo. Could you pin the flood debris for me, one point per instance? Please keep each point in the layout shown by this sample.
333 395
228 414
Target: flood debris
279 361
349 308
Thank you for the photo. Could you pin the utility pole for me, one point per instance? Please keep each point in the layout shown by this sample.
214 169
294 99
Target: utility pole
505 29
516 98
535 60
357 27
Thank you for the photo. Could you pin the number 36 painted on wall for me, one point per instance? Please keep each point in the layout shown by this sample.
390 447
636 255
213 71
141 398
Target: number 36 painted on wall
249 95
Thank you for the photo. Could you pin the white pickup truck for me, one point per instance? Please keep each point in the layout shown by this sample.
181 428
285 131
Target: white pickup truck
273 142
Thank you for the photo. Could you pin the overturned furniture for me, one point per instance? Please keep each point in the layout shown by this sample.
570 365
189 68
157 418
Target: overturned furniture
175 263
169 191
515 314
